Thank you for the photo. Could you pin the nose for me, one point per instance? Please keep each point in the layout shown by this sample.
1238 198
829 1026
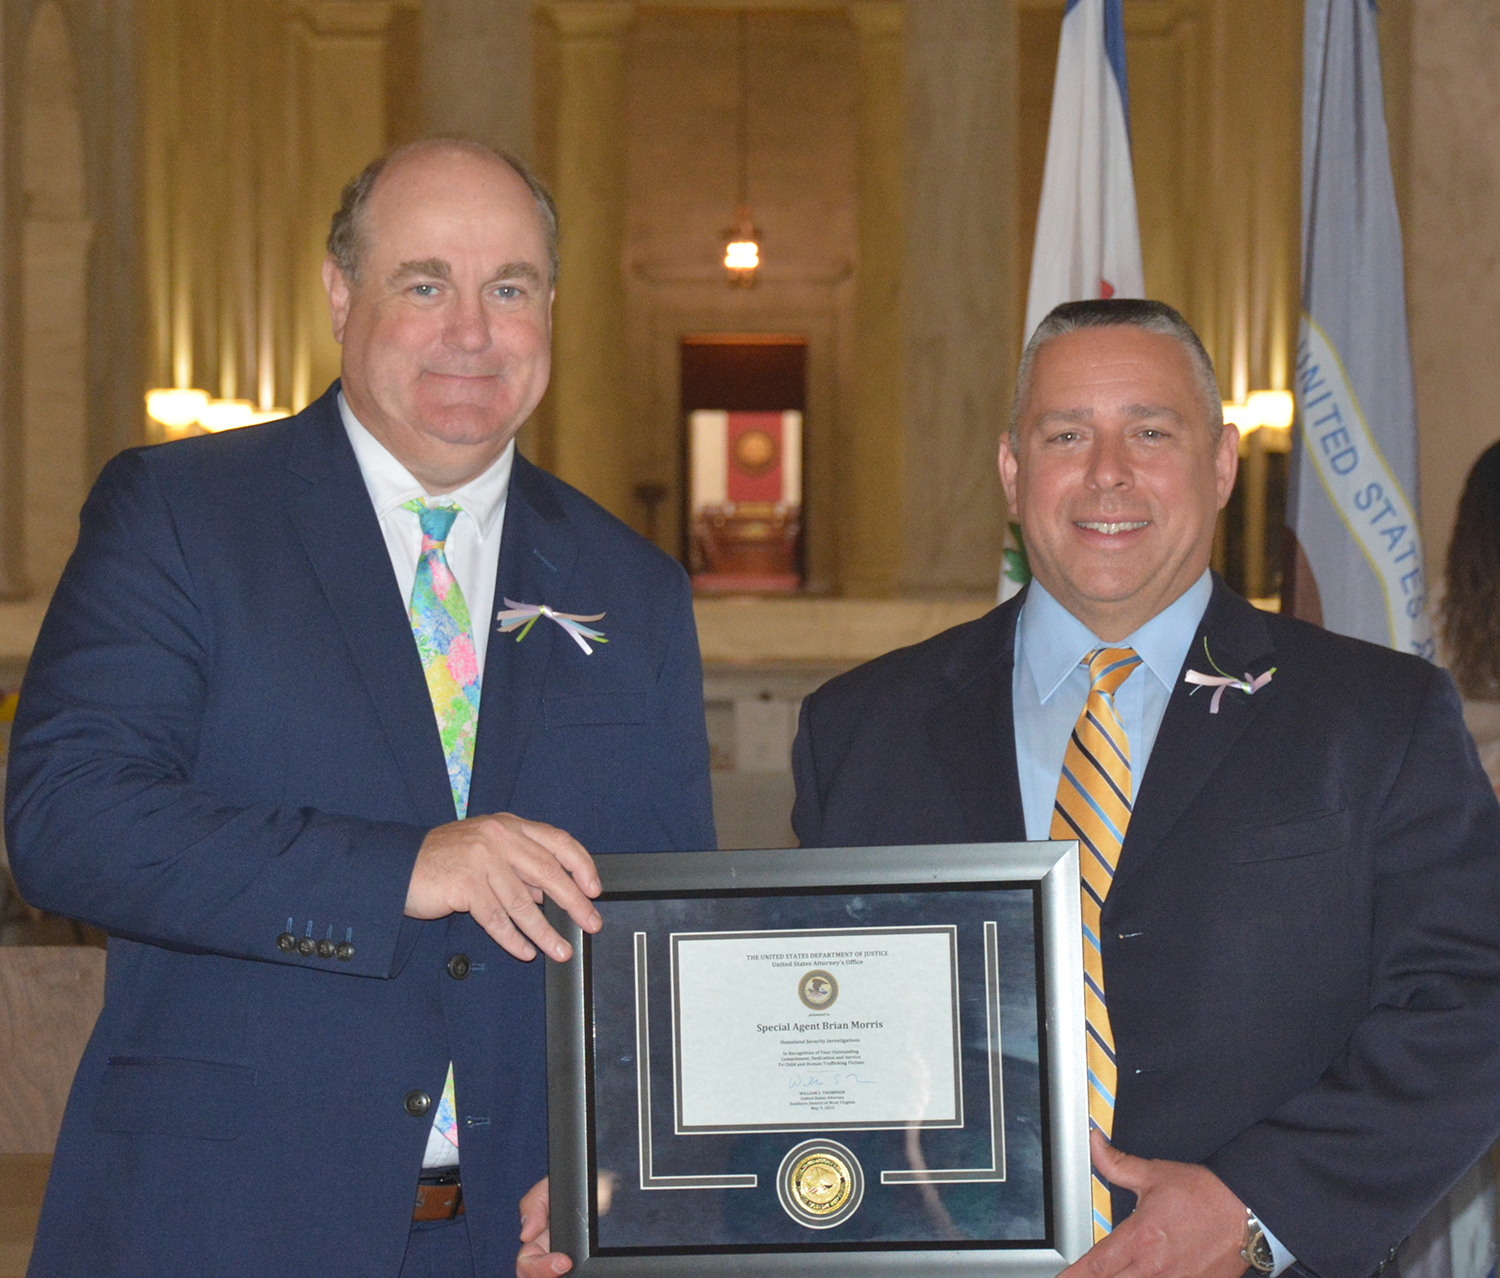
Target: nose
1109 463
467 329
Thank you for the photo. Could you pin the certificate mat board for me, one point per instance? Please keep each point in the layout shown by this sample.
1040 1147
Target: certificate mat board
867 1059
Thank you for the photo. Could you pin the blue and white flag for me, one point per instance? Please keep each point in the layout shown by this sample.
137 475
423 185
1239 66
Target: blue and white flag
1088 242
1352 501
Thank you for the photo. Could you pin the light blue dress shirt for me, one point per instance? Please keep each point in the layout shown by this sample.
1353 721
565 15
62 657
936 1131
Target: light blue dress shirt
1050 685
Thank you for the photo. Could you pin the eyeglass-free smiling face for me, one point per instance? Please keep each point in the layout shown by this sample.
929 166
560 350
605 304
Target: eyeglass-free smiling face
1115 476
447 329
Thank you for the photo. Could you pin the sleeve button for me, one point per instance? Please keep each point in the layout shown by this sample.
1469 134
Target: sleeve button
307 947
325 949
344 950
286 942
417 1103
458 966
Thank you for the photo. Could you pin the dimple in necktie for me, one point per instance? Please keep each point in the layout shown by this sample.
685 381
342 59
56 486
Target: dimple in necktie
445 640
1093 806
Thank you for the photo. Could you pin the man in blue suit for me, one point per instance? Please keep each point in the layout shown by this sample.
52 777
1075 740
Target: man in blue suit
252 746
1300 941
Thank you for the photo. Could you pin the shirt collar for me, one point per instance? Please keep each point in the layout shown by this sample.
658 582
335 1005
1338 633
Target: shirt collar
391 485
1053 641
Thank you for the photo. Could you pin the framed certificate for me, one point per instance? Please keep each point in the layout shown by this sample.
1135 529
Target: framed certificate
870 1059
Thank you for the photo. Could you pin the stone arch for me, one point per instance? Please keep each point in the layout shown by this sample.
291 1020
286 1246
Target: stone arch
55 249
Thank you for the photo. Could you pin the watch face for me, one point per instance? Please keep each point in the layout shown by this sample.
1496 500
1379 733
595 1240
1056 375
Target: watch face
1257 1253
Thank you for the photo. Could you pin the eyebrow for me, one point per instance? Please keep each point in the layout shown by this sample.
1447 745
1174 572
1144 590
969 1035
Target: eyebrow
1134 411
437 268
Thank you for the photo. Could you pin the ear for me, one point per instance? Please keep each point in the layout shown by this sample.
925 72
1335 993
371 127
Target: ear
1009 466
337 288
1227 462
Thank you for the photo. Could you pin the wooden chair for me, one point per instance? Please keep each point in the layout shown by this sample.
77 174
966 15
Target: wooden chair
50 996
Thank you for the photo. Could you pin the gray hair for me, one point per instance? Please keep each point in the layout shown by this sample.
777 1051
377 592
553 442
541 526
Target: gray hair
346 233
1134 312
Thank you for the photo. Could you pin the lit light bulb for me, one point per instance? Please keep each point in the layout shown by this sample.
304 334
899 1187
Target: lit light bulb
741 255
226 414
1271 408
176 407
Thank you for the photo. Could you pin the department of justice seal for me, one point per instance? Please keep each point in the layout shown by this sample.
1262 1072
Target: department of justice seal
817 990
820 1183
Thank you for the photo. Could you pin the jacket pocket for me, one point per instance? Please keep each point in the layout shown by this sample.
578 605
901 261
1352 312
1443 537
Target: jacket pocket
1302 836
169 1096
595 707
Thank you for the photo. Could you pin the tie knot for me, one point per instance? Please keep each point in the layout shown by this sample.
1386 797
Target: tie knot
437 521
1110 667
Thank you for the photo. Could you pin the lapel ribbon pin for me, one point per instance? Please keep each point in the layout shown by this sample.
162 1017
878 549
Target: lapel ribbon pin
1218 682
524 615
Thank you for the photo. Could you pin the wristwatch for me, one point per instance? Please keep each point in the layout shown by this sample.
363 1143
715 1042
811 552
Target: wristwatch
1256 1252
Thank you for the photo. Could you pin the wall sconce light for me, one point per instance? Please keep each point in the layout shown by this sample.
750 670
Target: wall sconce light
1272 408
176 408
181 407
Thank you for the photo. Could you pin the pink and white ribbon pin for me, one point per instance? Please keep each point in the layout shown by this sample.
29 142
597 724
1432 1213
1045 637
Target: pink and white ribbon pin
1219 682
523 616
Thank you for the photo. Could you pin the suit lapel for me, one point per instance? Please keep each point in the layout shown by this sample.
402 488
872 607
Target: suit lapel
972 735
330 508
538 550
1192 743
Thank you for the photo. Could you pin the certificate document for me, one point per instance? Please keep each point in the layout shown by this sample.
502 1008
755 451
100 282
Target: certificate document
852 1028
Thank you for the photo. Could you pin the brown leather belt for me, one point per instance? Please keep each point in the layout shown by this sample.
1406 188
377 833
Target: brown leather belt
439 1197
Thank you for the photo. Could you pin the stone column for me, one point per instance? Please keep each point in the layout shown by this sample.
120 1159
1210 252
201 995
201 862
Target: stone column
873 457
1452 260
476 71
589 393
960 343
13 33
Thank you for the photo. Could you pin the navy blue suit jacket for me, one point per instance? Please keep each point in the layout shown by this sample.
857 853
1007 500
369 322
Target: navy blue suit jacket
225 734
1302 941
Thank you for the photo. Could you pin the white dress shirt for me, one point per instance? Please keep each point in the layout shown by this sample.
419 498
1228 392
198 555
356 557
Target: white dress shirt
473 545
473 552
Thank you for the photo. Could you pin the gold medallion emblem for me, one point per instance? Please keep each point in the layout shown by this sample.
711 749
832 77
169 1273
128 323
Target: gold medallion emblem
817 990
821 1182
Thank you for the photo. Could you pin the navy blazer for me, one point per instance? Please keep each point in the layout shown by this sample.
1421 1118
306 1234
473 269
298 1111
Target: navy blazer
1302 941
225 734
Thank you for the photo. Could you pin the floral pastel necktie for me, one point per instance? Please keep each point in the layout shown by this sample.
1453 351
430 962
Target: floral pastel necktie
445 640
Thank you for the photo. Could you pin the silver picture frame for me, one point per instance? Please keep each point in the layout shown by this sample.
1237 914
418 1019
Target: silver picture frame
1048 869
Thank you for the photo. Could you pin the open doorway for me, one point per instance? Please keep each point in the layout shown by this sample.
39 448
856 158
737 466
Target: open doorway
743 399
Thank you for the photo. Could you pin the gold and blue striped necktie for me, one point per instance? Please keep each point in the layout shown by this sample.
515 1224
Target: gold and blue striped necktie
1093 806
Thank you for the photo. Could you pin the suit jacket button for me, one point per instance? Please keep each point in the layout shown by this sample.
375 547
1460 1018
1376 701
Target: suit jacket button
307 947
344 950
458 966
286 942
417 1103
325 949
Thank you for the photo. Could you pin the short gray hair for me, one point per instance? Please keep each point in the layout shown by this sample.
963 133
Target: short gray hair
1133 312
346 233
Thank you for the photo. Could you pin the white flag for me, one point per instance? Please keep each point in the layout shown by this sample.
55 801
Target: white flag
1088 242
1352 499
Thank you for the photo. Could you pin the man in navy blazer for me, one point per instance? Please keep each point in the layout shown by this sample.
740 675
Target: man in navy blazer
1301 942
226 755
